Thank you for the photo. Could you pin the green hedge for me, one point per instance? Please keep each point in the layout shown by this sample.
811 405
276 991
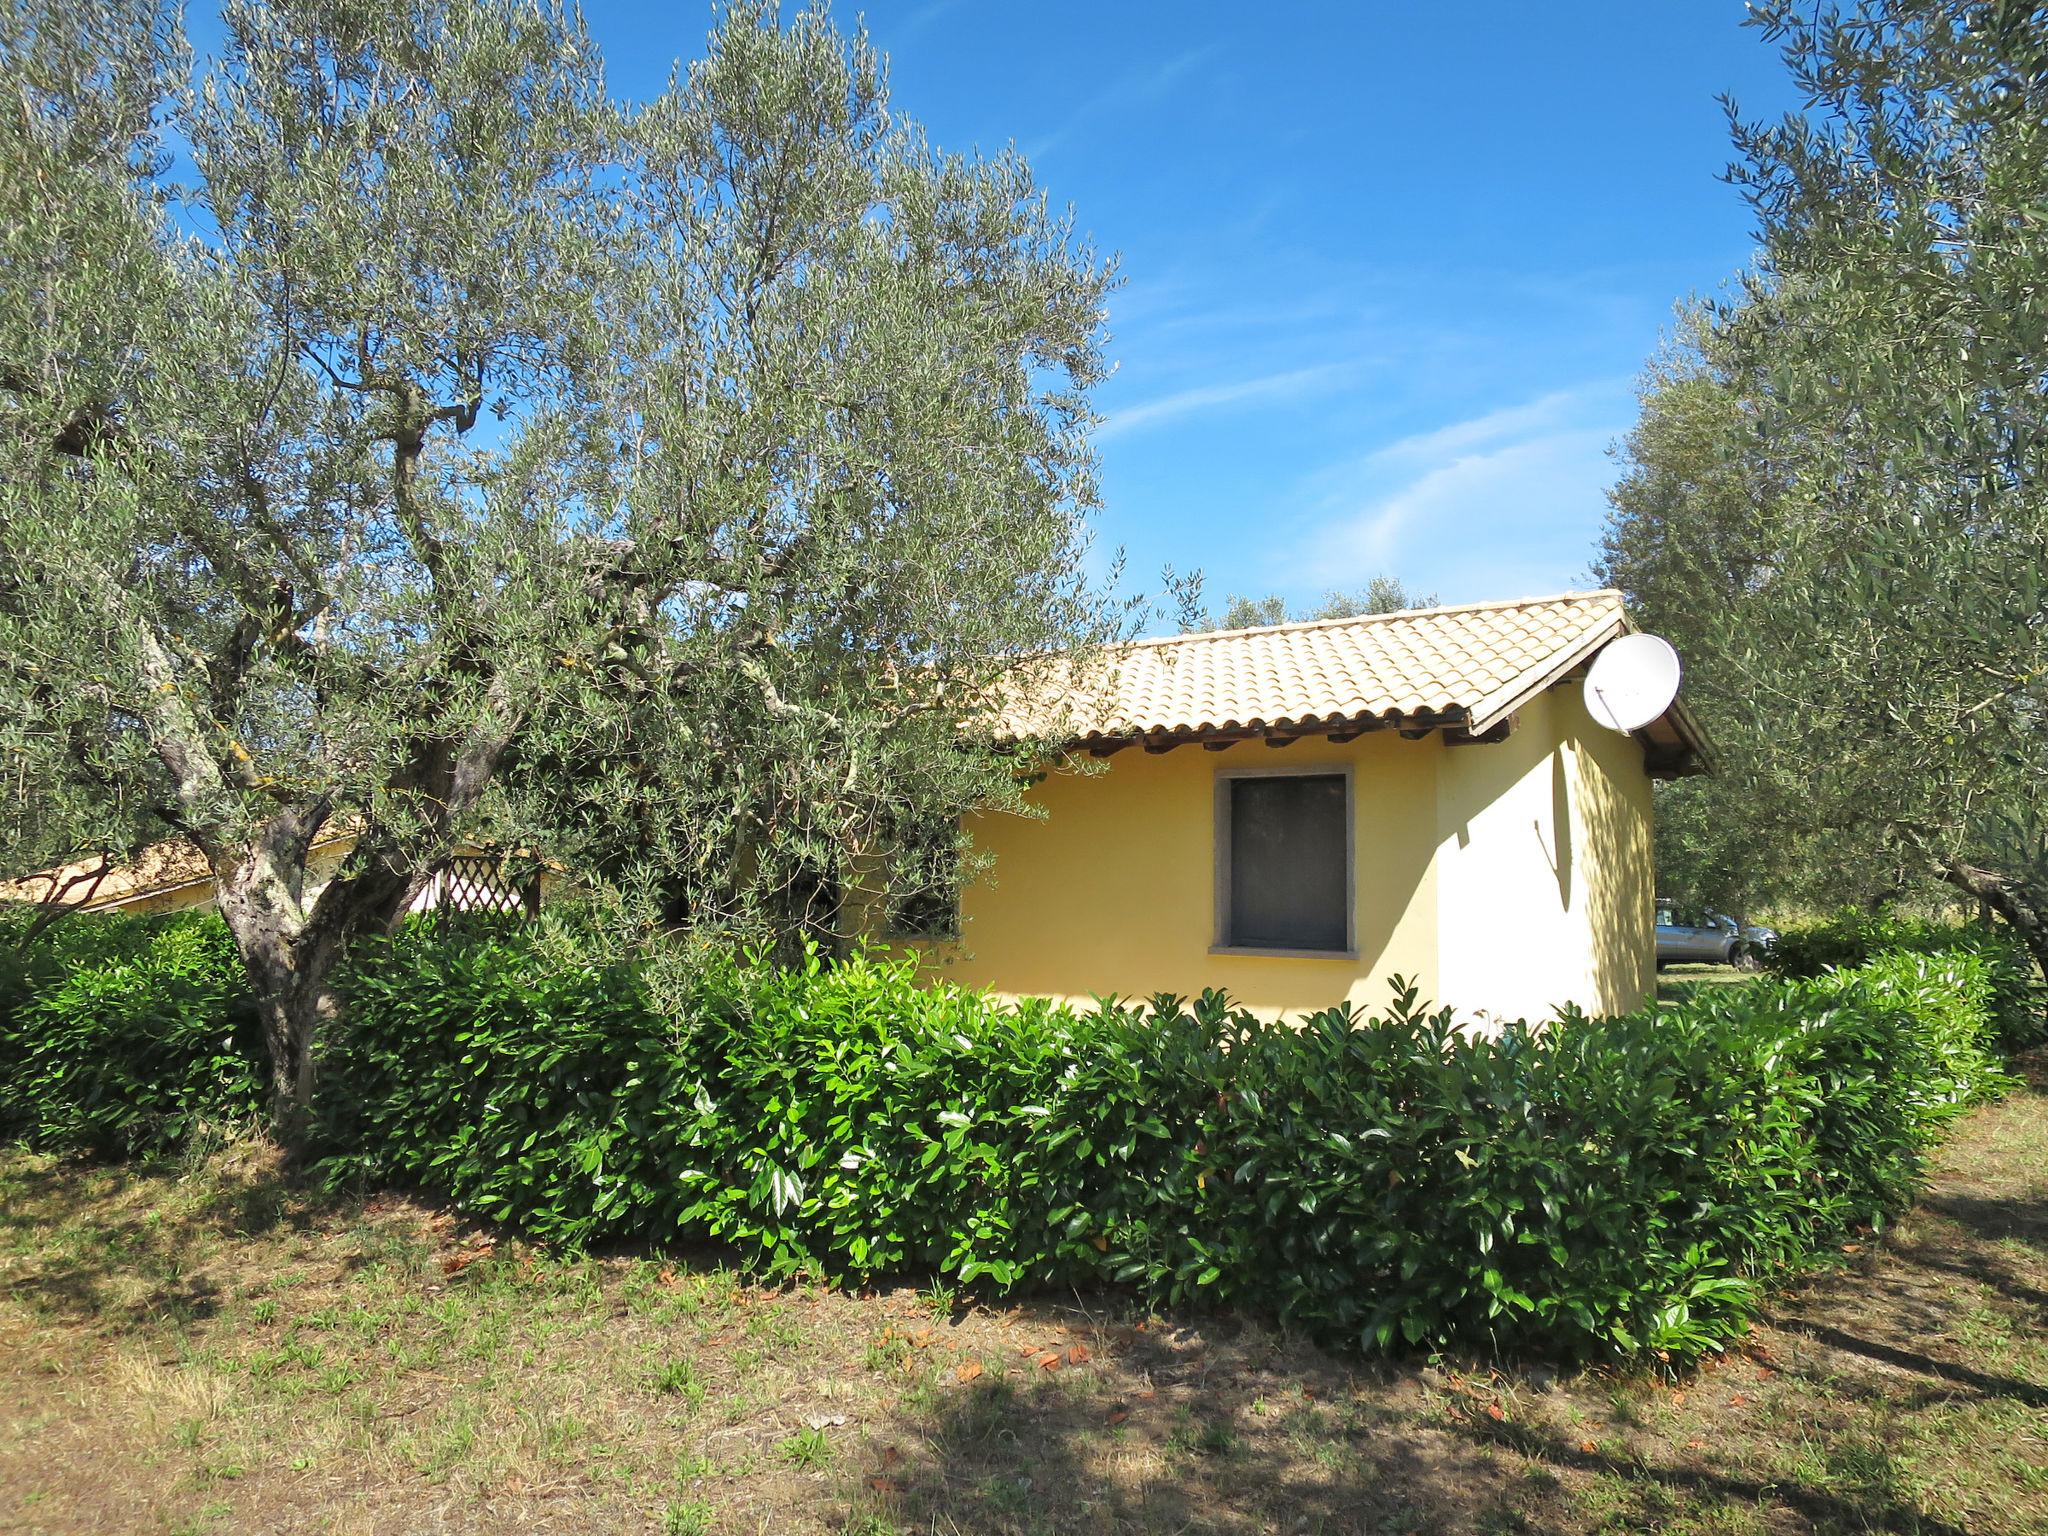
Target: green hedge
1584 1188
120 1037
1850 939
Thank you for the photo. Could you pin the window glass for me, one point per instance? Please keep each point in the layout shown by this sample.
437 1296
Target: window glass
1289 846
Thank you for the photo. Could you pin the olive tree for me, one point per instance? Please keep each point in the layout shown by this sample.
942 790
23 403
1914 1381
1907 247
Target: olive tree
1382 594
1881 643
401 436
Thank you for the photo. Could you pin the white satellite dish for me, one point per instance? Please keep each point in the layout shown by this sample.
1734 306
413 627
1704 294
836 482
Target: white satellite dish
1632 682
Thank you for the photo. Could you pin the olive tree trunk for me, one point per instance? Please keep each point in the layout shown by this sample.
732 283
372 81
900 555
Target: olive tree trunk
2020 902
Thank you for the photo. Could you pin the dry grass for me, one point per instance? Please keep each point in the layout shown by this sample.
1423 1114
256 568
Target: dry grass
205 1349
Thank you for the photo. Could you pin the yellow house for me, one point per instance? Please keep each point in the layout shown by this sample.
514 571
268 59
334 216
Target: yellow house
1296 814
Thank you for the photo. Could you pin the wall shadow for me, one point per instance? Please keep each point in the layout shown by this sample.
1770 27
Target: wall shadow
139 1260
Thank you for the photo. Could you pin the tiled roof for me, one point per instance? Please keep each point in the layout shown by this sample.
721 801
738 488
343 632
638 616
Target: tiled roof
99 884
1465 666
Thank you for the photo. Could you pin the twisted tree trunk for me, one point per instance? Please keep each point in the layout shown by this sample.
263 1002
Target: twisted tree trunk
2022 904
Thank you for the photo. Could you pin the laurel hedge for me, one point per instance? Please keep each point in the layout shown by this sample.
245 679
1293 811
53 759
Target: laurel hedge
1850 938
1581 1187
122 1037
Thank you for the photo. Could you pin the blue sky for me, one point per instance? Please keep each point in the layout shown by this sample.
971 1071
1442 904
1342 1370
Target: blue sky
1391 268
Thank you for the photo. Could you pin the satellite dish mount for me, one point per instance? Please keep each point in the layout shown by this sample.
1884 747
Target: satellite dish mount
1632 681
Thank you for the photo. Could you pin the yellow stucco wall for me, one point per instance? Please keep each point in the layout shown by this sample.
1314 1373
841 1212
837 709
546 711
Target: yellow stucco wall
1506 877
1113 890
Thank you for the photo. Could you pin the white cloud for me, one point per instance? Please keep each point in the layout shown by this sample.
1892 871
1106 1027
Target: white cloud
1503 504
1510 422
1142 86
1272 386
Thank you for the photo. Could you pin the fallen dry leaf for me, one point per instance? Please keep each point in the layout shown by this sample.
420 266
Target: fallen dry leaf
1493 1412
1738 1401
886 1485
967 1370
1117 1416
891 1455
456 1263
1077 1354
1049 1361
1588 1447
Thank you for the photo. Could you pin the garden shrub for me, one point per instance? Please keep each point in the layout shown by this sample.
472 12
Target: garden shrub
1583 1187
123 1036
32 967
1588 1186
1851 939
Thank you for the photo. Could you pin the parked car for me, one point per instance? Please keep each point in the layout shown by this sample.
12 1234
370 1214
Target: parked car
1686 936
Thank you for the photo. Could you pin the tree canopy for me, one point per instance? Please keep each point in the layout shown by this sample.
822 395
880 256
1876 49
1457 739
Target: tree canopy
400 434
1835 499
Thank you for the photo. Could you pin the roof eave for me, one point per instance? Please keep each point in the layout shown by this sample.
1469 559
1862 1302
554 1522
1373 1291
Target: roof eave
1508 698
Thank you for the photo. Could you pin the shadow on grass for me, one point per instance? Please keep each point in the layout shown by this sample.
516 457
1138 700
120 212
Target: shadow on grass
1980 1382
1871 1501
133 1254
1201 1451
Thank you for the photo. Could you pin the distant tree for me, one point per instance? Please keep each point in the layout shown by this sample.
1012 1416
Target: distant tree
1693 523
1880 667
472 454
1247 613
1383 594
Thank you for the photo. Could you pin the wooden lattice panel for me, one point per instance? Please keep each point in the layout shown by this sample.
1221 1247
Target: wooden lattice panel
479 883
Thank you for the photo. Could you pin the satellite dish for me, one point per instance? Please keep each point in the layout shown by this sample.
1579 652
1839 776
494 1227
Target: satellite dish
1632 682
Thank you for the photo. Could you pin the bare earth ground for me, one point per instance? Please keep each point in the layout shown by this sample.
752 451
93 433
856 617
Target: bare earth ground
205 1350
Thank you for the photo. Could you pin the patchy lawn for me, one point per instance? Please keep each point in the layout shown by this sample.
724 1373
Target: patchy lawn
207 1350
1677 982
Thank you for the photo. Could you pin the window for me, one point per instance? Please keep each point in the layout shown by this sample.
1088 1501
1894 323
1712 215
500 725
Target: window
924 899
1283 877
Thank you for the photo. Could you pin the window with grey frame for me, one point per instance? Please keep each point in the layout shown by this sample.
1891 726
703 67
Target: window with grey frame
1284 875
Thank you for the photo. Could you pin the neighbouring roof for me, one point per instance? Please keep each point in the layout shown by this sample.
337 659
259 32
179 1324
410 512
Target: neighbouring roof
100 884
1465 668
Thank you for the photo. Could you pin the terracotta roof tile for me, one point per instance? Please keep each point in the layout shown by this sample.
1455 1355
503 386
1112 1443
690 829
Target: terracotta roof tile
1464 664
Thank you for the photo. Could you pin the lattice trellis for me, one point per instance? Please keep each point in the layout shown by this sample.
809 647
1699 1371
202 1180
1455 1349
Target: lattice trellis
480 883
